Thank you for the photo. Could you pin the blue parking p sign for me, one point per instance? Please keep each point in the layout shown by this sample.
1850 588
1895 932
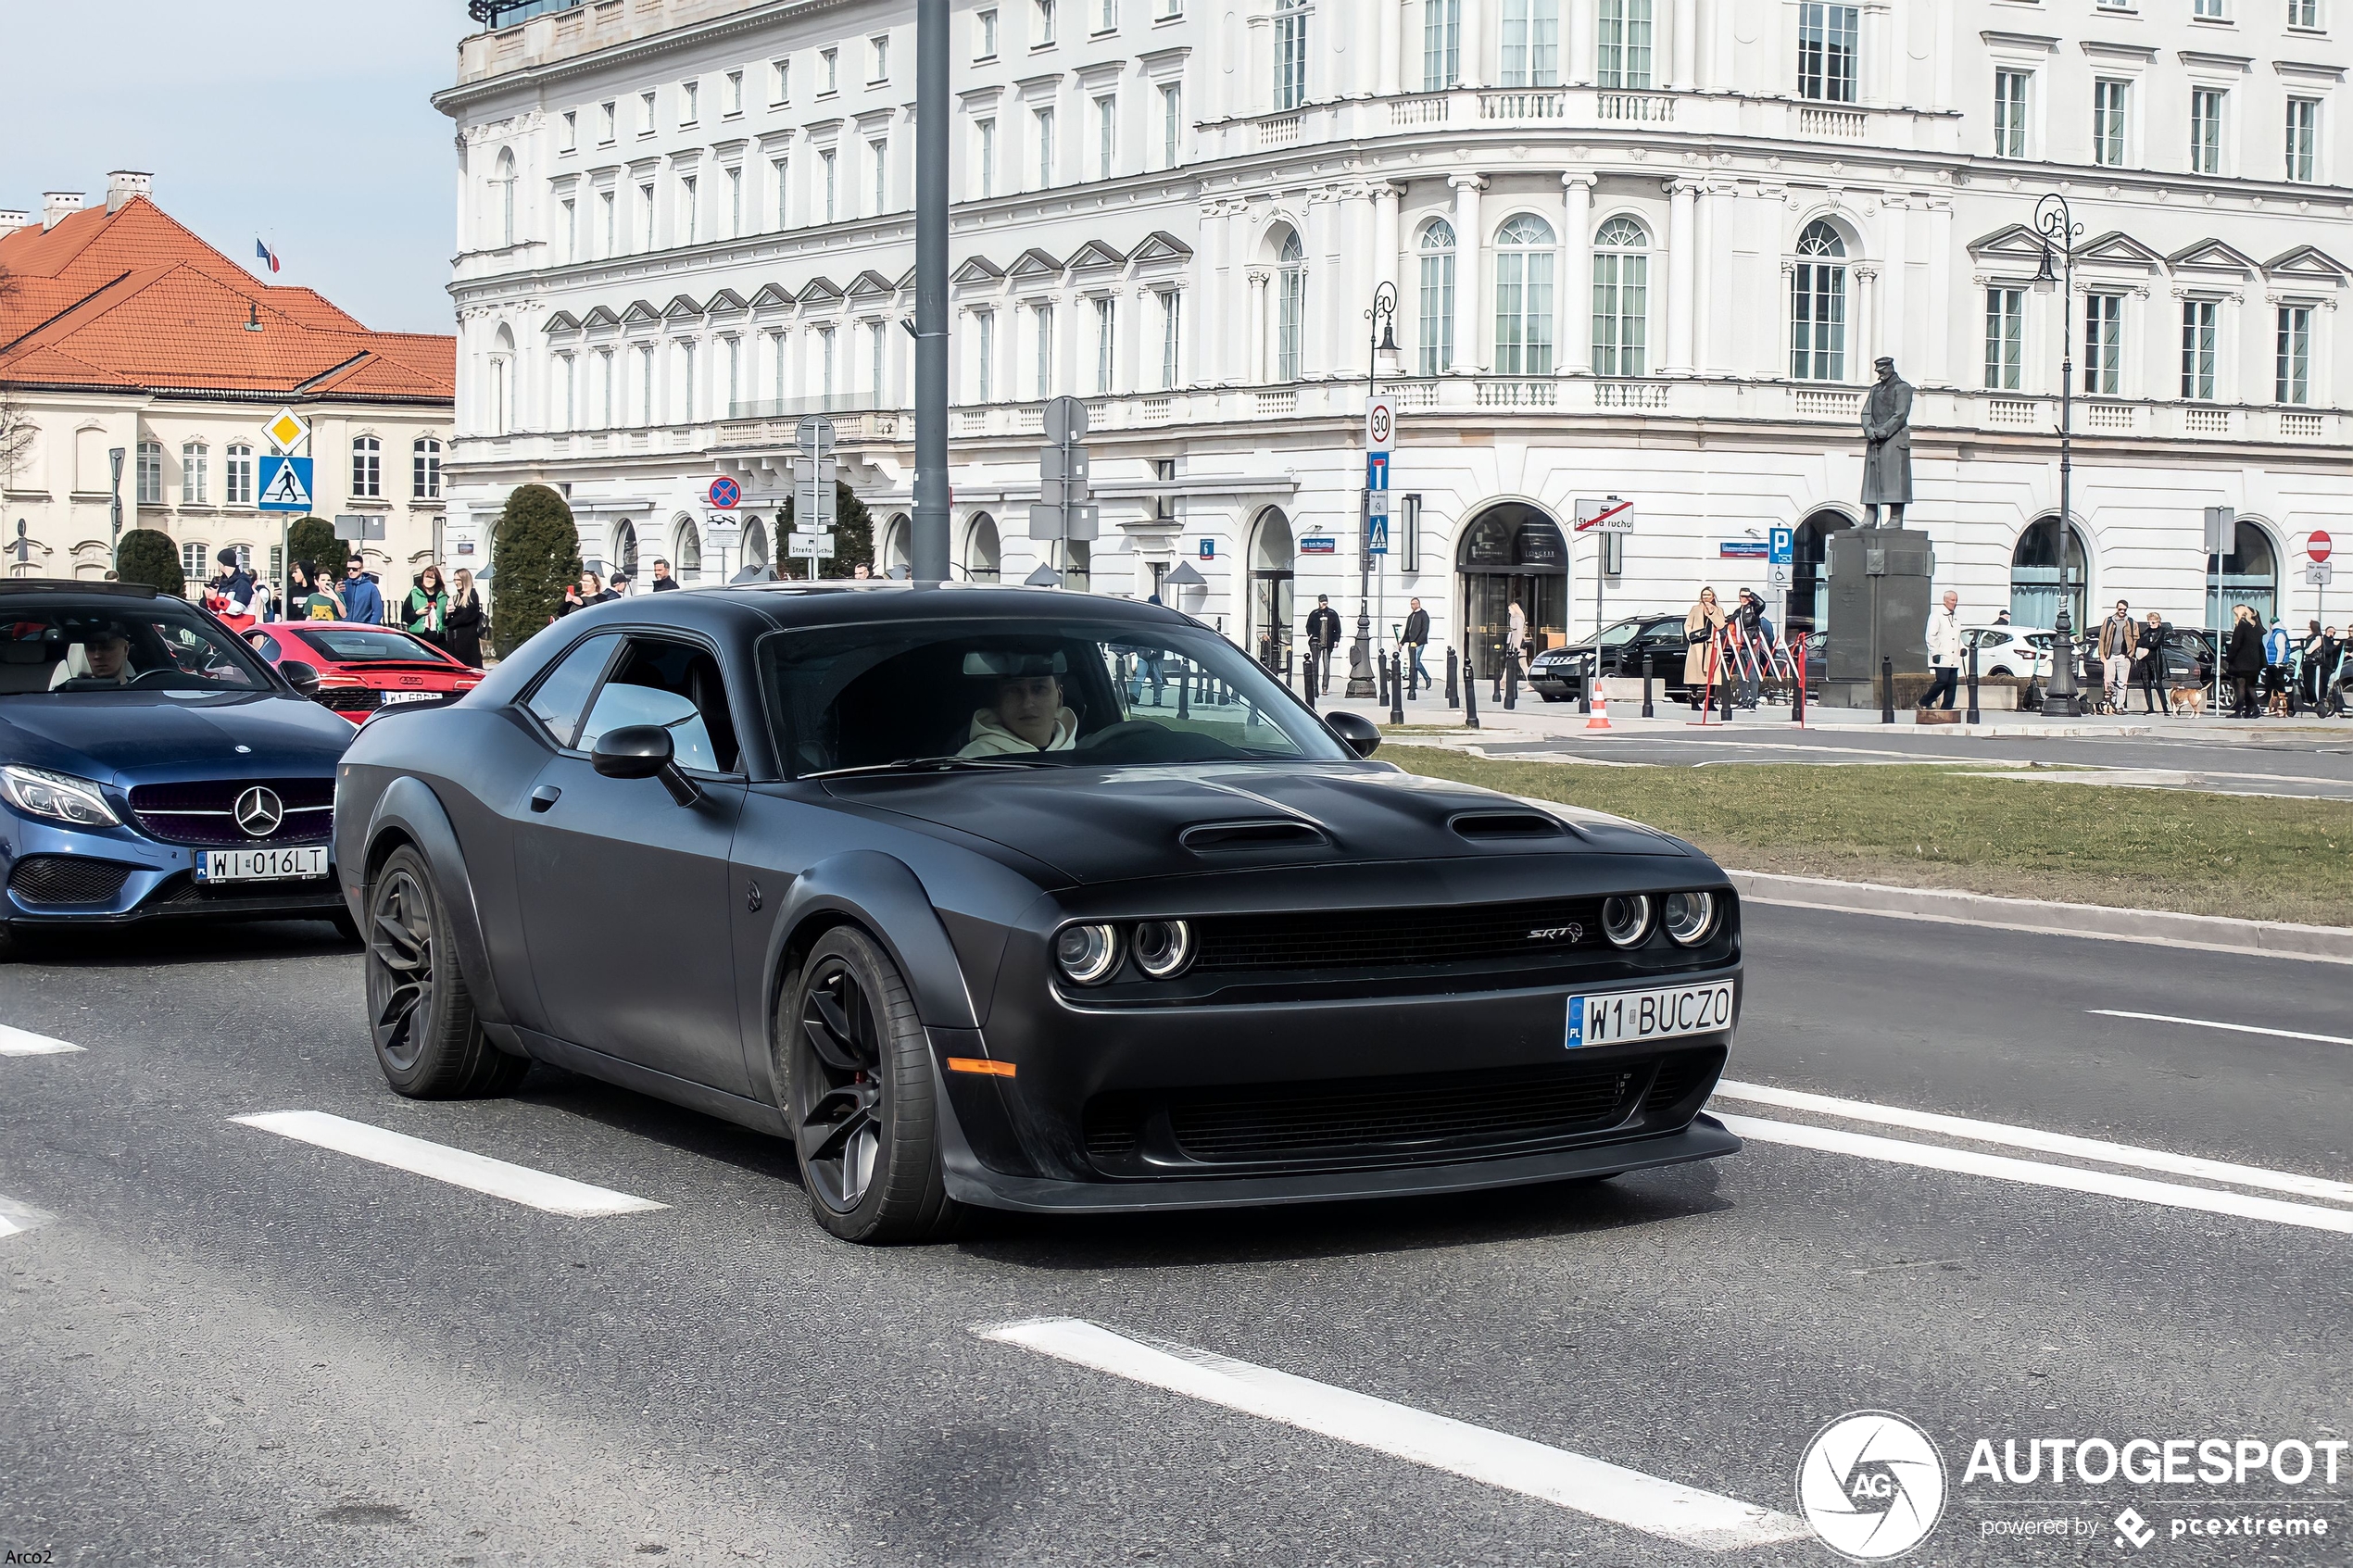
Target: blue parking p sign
1783 549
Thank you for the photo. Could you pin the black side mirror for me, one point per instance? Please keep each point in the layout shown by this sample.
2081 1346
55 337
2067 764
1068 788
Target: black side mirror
303 677
1357 732
643 751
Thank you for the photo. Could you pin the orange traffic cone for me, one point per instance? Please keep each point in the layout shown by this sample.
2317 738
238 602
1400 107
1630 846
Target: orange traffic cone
1600 718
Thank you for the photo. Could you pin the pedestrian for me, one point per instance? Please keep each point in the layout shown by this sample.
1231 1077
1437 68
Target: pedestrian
1944 651
861 572
2119 639
426 610
2336 669
362 600
619 584
464 623
1707 619
1748 624
233 586
662 581
2148 660
263 606
1323 636
1417 635
2002 618
323 602
2242 659
588 592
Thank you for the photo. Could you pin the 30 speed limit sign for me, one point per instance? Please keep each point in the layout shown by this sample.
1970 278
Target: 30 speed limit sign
1380 425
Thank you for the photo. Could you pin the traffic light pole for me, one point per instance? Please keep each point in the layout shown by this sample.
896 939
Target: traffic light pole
928 535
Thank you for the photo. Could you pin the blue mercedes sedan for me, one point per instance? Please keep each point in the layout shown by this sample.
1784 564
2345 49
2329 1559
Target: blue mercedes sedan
153 766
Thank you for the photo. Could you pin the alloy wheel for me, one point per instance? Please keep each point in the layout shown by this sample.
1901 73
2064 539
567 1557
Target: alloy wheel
838 1087
400 967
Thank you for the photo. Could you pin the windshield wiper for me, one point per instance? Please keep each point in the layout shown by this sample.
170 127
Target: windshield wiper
932 764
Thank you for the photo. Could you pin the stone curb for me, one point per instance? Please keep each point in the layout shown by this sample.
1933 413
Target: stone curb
2278 939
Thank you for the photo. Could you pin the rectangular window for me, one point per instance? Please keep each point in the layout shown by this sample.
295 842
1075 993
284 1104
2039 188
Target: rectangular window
367 467
2303 139
1106 138
605 378
646 385
879 66
605 121
1106 336
237 477
826 361
2304 14
826 161
735 203
880 153
2010 113
1172 320
1622 44
985 35
2206 130
196 476
1045 315
567 412
984 159
734 102
2292 358
570 132
689 210
686 362
2200 320
779 80
1621 311
1827 38
1436 339
2110 100
1171 9
646 114
877 349
2102 343
1045 23
1441 45
1172 125
2004 338
829 61
1107 15
1290 54
1528 54
1818 322
985 355
645 218
424 466
571 227
607 232
689 102
777 170
1045 148
2207 10
150 473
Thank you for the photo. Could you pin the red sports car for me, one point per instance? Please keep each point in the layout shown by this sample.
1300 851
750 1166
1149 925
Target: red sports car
362 668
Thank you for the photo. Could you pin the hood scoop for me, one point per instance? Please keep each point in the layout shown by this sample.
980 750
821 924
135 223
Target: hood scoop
1213 838
1486 826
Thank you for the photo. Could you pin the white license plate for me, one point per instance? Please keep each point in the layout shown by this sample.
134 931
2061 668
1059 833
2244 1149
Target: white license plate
1621 1017
391 697
261 865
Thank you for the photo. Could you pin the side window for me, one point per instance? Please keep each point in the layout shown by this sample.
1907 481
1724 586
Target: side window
564 691
265 645
677 687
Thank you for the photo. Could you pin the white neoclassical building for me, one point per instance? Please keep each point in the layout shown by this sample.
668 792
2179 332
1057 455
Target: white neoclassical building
1641 249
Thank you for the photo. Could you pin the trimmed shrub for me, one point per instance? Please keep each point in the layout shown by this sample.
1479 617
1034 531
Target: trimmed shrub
312 543
149 556
534 555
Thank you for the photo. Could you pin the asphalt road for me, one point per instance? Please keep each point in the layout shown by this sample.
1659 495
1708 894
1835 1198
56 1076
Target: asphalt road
220 1344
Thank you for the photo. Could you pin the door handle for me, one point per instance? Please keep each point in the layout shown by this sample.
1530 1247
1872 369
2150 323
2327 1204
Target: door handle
545 796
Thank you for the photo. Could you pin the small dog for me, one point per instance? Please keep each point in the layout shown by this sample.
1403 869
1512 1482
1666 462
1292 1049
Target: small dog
2277 708
2180 700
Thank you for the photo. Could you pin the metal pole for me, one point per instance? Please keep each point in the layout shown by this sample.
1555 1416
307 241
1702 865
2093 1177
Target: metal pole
2058 223
1886 690
1972 715
1453 694
928 531
1470 692
1396 692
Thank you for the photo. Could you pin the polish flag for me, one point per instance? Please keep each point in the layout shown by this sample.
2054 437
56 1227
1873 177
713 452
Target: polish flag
266 254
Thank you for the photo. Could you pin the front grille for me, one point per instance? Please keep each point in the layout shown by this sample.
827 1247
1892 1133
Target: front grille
68 879
1681 1077
184 891
349 699
203 813
1391 938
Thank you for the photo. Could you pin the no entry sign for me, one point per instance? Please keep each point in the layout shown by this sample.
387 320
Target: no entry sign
2319 546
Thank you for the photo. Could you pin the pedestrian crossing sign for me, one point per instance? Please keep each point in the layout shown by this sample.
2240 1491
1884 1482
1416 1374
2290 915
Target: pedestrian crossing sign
285 483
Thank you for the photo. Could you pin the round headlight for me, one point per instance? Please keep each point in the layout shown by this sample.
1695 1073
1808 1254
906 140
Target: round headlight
1625 920
1690 917
1162 946
1088 953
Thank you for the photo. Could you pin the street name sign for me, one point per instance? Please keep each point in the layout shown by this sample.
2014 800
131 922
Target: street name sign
814 547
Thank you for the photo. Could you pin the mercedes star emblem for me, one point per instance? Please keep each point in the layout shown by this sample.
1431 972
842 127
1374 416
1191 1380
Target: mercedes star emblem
260 811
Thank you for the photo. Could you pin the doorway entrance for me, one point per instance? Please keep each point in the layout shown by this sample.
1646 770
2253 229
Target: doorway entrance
1808 605
1511 554
1272 555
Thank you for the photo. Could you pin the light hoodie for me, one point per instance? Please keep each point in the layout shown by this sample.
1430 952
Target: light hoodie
991 738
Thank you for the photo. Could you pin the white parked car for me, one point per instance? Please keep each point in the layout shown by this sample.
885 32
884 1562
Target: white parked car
2023 651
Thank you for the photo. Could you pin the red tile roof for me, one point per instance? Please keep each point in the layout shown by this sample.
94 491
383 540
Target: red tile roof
129 300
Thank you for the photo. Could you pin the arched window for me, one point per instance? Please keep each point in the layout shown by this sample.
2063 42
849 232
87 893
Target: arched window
624 548
505 180
1524 297
1622 299
1437 339
367 467
2043 578
1817 305
502 358
689 551
894 548
2250 577
981 557
424 468
756 542
1292 309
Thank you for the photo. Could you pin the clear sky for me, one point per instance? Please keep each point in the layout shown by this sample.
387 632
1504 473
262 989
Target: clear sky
303 125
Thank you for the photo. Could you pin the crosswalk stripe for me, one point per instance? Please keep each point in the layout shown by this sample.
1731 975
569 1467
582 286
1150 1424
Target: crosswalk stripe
2047 1142
21 1042
478 1172
2071 1178
1594 1487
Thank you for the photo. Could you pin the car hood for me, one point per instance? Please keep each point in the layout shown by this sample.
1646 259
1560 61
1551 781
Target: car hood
129 737
1116 824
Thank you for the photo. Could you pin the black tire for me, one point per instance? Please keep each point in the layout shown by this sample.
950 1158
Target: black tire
421 1016
859 1094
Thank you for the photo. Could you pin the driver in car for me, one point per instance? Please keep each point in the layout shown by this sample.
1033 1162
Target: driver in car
1027 715
106 655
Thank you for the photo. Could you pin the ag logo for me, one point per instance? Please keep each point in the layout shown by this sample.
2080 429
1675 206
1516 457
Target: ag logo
1871 1484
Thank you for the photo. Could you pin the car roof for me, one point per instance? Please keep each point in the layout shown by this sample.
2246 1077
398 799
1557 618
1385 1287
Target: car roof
76 585
850 602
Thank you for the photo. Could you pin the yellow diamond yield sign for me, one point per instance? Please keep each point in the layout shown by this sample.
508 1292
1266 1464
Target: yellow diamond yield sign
287 430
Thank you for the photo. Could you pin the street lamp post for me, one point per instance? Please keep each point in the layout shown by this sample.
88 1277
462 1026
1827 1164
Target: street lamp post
2060 232
1380 339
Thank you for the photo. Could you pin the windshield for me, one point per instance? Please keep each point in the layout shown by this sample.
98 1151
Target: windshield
63 644
1037 693
356 646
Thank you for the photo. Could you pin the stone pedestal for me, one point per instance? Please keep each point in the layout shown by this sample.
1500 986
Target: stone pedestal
1881 583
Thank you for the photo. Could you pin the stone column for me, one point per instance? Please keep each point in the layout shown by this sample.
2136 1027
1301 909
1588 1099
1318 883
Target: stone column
1391 45
1256 375
1862 343
1708 245
1206 295
1683 43
1682 273
1470 252
1577 64
1326 286
1577 274
1474 42
1387 239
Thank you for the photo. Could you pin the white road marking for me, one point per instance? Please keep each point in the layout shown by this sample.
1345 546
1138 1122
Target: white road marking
1666 1509
16 1217
2104 1184
19 1041
2048 1143
2210 1024
517 1183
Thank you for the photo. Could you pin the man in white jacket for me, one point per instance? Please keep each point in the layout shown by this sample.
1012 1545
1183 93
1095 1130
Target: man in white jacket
1944 649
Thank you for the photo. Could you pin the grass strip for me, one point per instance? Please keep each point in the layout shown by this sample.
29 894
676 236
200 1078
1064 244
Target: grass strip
2259 859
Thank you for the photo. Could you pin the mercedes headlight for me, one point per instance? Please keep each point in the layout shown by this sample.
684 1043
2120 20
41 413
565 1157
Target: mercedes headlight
59 797
1690 918
1088 953
1626 919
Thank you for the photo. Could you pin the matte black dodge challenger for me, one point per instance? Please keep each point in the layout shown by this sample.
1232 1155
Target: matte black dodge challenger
1023 899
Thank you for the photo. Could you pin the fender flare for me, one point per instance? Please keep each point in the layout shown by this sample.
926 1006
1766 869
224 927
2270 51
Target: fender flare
410 808
879 892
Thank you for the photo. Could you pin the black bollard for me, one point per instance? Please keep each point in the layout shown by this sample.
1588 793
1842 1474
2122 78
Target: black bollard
1184 696
1396 691
1797 695
1650 674
1886 690
1511 682
1453 695
1971 715
1470 692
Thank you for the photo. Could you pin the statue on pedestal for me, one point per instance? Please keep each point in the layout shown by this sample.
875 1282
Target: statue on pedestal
1887 447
